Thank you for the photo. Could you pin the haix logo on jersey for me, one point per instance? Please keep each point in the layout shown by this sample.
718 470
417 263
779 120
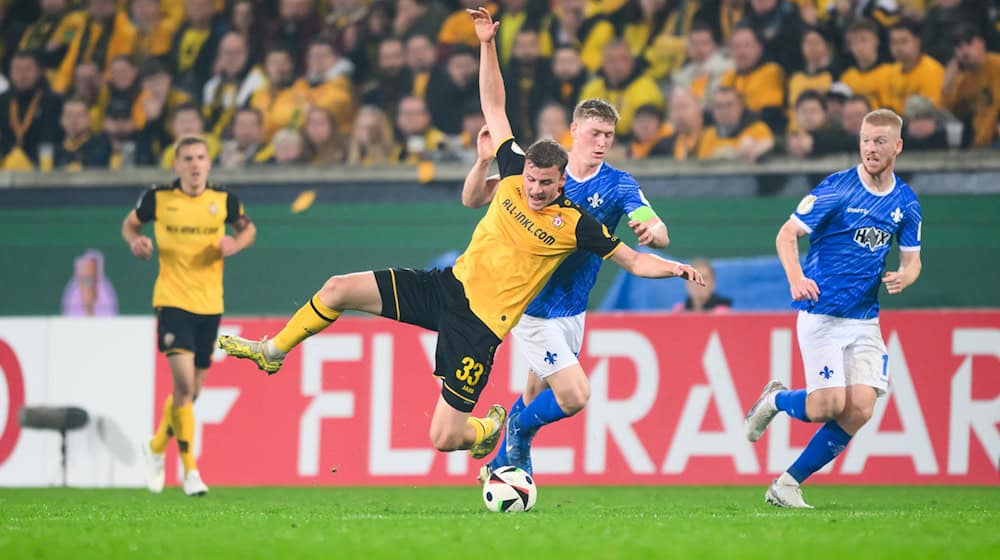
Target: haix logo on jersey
872 237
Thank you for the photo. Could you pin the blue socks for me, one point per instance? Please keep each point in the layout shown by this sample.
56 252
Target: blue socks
826 444
793 403
543 410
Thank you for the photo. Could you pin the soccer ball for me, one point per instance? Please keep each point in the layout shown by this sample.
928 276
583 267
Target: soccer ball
509 489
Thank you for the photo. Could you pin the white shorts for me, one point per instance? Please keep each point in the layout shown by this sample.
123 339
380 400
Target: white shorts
550 345
837 352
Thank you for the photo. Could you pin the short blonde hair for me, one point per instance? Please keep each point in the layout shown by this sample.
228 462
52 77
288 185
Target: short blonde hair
189 140
884 117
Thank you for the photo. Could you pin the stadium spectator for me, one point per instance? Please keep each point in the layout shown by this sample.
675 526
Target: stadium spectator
87 84
525 81
723 16
80 147
51 34
392 79
420 59
759 82
836 96
248 145
129 147
819 72
852 116
925 125
568 76
155 105
944 16
703 298
372 141
419 140
913 73
688 121
513 15
841 15
623 84
971 89
249 23
814 135
464 147
89 293
571 26
293 30
106 33
29 115
329 85
233 84
192 54
457 28
418 17
778 24
868 76
187 121
279 67
705 65
737 133
553 124
154 33
324 144
452 86
122 86
650 133
289 147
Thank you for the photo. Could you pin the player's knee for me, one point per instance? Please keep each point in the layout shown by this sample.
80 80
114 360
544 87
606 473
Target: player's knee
574 399
825 405
332 292
446 440
856 415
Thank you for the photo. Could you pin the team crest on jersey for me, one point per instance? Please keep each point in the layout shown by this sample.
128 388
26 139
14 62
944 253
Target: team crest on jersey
595 200
558 222
896 215
872 237
213 209
806 204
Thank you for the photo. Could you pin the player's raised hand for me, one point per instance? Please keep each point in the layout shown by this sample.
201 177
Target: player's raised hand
486 28
691 274
228 246
805 288
142 247
893 282
484 144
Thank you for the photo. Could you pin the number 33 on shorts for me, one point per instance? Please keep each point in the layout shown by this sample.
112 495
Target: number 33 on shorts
470 373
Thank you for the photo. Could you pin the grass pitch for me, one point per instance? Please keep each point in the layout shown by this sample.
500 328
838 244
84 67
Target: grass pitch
851 523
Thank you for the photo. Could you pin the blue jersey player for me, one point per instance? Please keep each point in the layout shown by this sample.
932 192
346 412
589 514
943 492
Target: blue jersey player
550 332
852 219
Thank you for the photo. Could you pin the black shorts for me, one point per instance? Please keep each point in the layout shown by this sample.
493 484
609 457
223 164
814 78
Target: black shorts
435 300
180 331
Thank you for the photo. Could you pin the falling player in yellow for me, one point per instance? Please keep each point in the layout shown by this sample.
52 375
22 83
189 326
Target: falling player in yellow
528 230
190 218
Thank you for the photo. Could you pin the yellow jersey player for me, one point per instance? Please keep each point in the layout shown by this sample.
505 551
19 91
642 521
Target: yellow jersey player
190 218
528 230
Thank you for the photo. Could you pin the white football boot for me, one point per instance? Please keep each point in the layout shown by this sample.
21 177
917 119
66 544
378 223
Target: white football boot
762 411
155 471
193 486
785 492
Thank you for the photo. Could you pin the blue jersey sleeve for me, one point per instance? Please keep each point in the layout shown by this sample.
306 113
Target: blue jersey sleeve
818 205
630 194
909 232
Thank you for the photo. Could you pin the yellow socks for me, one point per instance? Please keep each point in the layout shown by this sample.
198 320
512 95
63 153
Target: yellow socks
310 319
163 432
482 426
183 423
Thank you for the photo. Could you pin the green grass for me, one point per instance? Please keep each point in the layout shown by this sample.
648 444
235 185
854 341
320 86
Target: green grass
850 523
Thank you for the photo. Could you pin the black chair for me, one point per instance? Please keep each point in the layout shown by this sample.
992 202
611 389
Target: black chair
59 418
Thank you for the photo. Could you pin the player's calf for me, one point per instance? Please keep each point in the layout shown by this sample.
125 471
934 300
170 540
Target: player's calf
823 405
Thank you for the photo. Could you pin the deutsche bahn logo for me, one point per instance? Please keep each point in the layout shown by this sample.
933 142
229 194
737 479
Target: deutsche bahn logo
871 237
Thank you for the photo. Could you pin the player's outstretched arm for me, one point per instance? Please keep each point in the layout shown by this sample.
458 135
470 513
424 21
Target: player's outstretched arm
648 228
651 266
491 92
140 245
787 244
909 271
479 189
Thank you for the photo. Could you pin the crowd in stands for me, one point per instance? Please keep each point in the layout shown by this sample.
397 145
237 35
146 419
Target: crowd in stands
114 83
